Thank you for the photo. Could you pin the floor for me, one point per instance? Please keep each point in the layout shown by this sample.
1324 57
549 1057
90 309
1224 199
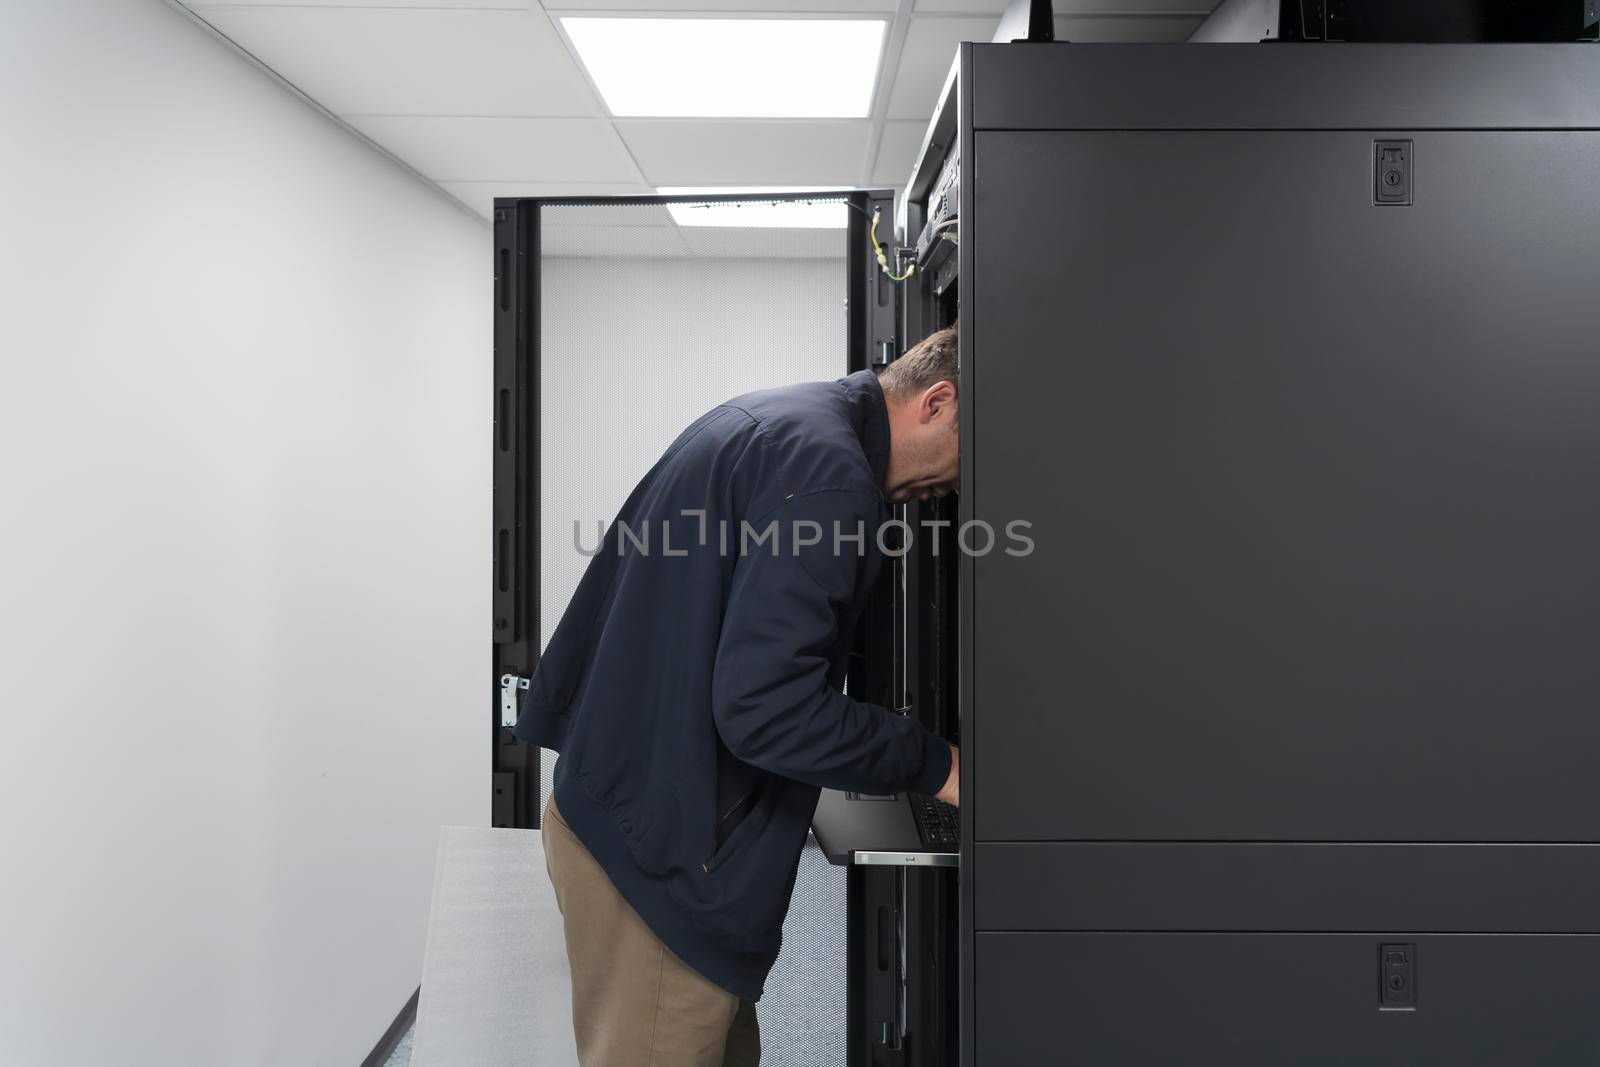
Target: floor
401 1057
495 949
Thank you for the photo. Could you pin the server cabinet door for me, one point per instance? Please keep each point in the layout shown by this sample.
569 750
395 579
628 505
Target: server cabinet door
1311 483
1293 696
618 322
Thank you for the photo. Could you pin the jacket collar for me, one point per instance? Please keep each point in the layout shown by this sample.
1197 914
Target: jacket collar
869 415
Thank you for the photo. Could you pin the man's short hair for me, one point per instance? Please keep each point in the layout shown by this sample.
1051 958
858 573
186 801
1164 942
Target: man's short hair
933 360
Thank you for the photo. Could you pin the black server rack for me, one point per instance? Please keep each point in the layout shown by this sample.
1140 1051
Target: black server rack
903 923
1281 746
873 308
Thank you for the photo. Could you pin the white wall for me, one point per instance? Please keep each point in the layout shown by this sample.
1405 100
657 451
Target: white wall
244 553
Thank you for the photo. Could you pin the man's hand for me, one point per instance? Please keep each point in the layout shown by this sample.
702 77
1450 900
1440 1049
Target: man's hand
951 793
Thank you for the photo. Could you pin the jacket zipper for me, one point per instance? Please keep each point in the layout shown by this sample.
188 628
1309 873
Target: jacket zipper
743 803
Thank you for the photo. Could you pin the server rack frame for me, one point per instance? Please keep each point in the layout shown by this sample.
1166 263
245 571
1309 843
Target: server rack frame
515 634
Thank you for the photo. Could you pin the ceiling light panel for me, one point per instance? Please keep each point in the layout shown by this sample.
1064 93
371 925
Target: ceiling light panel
731 68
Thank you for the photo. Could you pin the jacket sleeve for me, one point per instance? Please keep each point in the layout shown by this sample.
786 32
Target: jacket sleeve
771 699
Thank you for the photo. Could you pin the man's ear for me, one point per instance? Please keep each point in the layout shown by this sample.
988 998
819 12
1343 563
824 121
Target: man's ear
937 398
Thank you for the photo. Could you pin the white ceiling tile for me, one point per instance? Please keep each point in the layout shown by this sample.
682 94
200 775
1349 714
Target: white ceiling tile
392 61
897 151
479 196
930 49
700 152
1090 29
1075 7
503 149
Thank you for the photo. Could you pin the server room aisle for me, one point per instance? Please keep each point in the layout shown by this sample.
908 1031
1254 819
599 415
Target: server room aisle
802 1013
401 1056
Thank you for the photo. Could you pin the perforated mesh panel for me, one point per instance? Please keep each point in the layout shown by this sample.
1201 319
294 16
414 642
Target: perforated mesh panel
643 327
802 1014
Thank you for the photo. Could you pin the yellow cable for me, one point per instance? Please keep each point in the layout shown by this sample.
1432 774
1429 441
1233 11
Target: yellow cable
883 259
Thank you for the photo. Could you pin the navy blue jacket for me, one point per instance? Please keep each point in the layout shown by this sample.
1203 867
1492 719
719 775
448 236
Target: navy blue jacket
694 693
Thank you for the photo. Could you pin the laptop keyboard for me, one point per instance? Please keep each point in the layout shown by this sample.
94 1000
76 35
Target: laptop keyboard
939 823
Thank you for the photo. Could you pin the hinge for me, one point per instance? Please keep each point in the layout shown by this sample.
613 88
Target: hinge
510 686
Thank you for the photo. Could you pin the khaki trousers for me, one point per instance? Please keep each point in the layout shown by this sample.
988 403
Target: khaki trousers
634 1003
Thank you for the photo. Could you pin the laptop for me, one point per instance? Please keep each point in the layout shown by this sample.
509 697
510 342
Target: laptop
895 829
